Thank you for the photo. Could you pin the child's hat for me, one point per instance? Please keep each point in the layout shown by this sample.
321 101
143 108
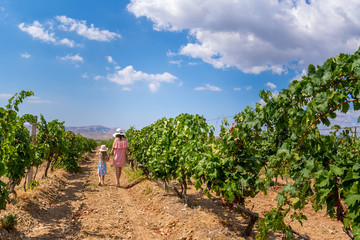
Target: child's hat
119 131
103 148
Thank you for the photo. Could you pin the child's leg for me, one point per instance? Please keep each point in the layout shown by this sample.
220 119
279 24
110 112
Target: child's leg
99 179
102 179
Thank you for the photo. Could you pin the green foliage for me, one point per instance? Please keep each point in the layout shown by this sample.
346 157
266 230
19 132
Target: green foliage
324 168
34 184
172 148
277 139
18 151
8 222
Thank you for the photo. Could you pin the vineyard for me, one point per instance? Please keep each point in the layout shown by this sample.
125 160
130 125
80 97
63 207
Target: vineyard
20 153
280 139
275 146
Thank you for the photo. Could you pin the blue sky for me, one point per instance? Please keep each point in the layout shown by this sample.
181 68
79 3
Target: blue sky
124 63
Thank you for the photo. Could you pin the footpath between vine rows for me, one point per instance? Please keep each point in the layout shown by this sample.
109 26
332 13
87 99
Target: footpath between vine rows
74 206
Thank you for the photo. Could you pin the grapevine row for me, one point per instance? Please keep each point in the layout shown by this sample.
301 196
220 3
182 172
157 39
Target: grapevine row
19 152
280 138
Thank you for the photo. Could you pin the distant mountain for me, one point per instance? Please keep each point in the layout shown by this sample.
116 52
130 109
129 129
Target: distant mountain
96 132
91 129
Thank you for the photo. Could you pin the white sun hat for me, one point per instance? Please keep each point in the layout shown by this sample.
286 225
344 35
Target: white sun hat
119 131
103 148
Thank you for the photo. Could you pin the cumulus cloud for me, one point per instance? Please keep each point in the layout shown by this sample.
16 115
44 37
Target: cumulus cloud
270 85
129 76
25 55
44 33
89 32
110 59
258 36
208 87
37 31
72 58
67 42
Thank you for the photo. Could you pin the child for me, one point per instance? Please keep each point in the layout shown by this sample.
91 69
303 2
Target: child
104 157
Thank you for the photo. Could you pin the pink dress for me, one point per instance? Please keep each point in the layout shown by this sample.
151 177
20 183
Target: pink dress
119 153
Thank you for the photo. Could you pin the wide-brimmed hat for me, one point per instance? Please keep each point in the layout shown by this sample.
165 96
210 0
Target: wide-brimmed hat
119 131
103 148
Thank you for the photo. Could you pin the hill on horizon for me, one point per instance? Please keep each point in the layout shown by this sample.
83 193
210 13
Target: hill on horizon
96 132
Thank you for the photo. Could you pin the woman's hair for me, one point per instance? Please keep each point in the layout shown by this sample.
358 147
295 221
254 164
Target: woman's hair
103 156
120 136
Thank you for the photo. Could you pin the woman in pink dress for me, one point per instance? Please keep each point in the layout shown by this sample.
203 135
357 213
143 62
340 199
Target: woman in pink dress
120 151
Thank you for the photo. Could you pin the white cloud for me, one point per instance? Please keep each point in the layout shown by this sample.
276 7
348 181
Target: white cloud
299 76
248 88
127 89
208 87
67 42
25 55
348 119
80 27
110 59
34 99
85 75
274 94
171 54
37 31
128 76
5 96
72 58
98 77
178 62
262 102
271 85
237 89
258 36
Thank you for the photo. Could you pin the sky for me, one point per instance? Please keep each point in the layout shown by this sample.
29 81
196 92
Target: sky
130 62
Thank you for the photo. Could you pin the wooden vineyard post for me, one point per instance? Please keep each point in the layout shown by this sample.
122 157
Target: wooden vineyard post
354 132
33 135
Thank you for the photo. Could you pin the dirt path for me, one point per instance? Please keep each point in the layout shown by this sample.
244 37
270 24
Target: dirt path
74 206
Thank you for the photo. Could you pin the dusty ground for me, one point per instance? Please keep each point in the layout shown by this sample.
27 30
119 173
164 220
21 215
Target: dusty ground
74 206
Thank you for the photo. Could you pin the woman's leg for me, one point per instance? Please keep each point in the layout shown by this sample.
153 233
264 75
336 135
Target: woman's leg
118 173
120 168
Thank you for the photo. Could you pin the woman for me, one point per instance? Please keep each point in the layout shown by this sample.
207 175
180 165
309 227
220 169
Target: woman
120 151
